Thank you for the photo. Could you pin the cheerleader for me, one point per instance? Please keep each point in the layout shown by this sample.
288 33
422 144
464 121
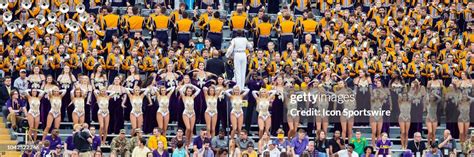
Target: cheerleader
150 104
87 88
404 117
322 105
347 122
416 94
465 85
221 102
102 99
201 76
435 87
45 104
211 95
131 81
453 99
65 80
117 105
136 101
236 100
396 86
362 85
163 96
189 116
263 99
379 96
34 100
98 80
55 97
35 80
78 98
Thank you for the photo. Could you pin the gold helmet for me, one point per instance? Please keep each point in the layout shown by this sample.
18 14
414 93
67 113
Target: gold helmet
3 4
26 4
7 16
11 27
41 19
80 8
31 23
83 17
64 8
52 17
51 29
44 4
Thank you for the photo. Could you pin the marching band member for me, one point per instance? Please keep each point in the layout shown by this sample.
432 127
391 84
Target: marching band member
185 28
215 26
160 23
110 23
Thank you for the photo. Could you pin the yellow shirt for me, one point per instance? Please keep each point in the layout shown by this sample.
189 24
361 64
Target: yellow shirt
153 142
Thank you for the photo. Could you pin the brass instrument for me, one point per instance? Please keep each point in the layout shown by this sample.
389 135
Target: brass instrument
80 8
26 4
44 4
75 29
7 16
41 19
83 17
17 23
51 29
11 27
31 23
52 17
68 23
64 8
90 26
3 4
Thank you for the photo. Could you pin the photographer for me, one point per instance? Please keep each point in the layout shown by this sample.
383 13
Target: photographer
82 140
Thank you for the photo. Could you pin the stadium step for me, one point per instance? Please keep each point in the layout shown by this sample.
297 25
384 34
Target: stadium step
5 139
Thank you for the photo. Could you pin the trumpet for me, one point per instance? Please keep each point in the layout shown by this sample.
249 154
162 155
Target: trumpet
64 8
80 8
31 23
11 27
51 29
26 4
7 16
83 17
3 4
44 4
90 26
52 17
41 19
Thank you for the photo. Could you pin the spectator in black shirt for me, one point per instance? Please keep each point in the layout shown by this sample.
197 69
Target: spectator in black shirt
336 143
5 88
82 140
322 144
417 146
215 65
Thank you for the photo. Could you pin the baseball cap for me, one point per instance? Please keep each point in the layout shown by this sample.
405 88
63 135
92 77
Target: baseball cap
122 131
472 133
22 71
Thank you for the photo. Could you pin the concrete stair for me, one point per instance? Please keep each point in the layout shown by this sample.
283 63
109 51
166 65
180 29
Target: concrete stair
6 141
